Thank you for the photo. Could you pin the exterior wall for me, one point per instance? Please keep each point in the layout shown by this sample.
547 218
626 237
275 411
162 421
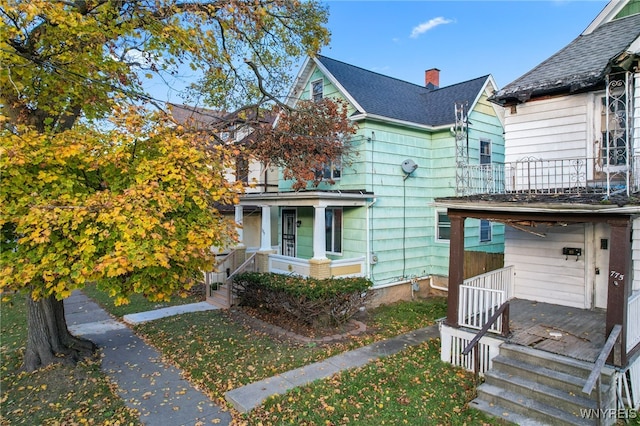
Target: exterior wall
551 128
401 223
543 274
635 254
636 113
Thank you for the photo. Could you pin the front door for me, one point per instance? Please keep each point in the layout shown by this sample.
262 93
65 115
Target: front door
602 238
289 232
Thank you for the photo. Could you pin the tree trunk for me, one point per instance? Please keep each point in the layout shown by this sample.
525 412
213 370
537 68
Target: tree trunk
48 339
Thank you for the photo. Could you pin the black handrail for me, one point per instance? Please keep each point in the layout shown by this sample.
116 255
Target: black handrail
503 311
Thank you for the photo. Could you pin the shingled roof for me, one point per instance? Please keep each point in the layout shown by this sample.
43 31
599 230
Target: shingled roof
389 97
579 66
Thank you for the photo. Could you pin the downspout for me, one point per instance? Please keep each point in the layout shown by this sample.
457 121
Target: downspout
368 230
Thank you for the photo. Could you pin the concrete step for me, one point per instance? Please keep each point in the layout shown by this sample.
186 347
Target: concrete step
552 361
219 299
569 401
544 375
507 401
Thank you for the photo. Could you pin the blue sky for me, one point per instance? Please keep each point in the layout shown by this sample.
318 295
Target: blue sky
464 39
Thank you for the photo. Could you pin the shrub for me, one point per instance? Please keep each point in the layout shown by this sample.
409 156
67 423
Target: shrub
315 302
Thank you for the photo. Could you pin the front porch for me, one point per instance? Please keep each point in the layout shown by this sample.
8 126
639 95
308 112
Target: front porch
562 330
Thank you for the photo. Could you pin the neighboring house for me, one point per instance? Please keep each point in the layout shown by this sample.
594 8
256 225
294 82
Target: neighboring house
377 220
572 245
229 128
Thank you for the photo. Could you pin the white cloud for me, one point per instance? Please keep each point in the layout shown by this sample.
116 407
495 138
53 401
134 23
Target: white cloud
430 24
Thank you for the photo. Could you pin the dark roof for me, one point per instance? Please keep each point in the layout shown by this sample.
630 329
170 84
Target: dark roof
579 66
396 99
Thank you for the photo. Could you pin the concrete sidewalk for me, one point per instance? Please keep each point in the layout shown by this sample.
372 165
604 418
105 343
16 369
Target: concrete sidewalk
248 397
157 390
163 397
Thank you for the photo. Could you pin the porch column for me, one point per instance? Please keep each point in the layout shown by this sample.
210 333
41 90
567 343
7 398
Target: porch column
319 233
456 268
619 287
239 229
265 231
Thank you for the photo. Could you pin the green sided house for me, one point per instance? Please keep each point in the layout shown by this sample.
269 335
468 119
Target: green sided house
377 219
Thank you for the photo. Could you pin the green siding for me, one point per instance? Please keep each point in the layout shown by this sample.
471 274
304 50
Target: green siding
402 221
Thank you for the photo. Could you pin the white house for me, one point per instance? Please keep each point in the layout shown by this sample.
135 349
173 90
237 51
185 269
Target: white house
571 204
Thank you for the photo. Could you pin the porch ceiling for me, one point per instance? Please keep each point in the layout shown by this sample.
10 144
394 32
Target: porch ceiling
308 198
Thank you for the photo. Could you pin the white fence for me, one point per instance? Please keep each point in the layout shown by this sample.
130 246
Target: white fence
633 321
482 295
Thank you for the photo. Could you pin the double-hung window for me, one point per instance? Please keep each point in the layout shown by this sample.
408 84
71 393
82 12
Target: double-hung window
485 230
443 226
317 90
485 151
333 230
331 171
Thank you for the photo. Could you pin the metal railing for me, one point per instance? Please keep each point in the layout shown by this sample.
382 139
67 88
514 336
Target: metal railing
595 379
553 176
503 313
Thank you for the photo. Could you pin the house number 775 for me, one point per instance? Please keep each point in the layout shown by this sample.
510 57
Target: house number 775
616 275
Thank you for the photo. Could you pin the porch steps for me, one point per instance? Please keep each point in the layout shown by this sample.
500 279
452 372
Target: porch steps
219 297
533 387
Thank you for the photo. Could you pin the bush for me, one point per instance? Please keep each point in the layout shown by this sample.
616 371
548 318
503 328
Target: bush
315 302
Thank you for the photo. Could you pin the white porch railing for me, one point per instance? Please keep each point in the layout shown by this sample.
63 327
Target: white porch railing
482 295
633 321
553 176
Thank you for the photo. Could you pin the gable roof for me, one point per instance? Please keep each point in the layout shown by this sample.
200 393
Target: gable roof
579 66
378 95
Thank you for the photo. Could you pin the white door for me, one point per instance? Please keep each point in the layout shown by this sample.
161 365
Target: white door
602 240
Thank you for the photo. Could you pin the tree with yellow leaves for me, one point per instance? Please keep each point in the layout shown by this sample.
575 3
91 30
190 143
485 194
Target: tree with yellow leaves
98 183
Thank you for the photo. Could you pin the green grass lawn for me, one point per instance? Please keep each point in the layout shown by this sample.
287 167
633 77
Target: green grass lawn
56 395
220 354
137 302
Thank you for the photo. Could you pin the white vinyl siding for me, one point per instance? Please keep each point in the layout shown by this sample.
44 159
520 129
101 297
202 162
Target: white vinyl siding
543 273
551 129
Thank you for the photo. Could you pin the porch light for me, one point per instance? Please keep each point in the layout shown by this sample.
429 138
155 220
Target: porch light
298 223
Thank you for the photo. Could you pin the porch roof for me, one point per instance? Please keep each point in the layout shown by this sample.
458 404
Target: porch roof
561 204
308 198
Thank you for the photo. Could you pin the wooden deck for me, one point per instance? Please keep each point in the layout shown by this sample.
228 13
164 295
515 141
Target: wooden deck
573 332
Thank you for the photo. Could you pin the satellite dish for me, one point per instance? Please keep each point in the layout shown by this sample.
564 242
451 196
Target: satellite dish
408 166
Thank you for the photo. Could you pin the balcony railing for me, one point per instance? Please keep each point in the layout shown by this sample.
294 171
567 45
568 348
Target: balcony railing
543 176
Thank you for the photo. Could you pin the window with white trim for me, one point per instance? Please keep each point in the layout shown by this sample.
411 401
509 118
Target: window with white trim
443 226
485 230
317 90
333 229
485 151
331 171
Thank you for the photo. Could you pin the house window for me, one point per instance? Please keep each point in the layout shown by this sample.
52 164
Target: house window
242 169
331 171
485 151
443 231
485 230
317 89
333 224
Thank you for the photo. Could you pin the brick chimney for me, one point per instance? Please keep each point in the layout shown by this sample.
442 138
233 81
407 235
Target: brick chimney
432 78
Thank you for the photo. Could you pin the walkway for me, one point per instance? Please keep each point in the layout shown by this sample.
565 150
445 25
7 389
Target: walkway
163 397
248 397
157 390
